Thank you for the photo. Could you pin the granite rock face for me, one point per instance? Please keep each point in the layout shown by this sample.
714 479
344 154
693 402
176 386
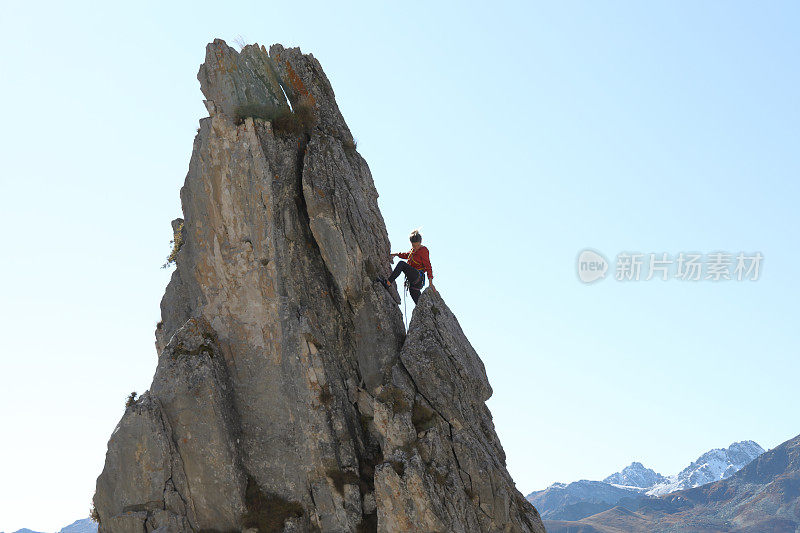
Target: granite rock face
288 396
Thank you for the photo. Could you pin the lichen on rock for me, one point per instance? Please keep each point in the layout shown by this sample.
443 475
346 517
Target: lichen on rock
288 396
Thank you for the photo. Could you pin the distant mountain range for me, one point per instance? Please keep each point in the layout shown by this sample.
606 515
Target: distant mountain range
85 525
712 466
762 497
635 482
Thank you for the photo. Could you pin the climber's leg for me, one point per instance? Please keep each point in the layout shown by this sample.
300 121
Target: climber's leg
415 284
404 267
414 294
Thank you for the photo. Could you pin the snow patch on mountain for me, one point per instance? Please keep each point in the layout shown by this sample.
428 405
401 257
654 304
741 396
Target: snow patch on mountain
636 475
713 465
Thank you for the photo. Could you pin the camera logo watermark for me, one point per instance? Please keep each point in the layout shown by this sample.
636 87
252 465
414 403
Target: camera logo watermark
685 266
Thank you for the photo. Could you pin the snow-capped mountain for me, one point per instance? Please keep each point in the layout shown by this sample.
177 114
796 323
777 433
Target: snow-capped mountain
762 497
714 465
635 475
635 482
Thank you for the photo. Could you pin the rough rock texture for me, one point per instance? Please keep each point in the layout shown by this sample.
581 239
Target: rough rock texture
288 396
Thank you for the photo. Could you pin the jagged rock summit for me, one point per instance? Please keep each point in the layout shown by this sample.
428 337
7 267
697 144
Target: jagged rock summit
288 396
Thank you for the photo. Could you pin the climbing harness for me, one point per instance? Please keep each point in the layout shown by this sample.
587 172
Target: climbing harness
419 284
421 279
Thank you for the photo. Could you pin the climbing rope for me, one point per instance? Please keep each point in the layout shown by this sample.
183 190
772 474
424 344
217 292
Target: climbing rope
405 309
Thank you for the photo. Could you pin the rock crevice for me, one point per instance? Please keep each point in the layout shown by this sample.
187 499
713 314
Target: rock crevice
288 395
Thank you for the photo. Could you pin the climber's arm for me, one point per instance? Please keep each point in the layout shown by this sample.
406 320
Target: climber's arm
426 262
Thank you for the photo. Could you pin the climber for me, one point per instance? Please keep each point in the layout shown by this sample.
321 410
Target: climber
418 264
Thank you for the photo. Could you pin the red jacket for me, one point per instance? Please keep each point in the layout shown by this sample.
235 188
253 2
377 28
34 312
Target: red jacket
419 260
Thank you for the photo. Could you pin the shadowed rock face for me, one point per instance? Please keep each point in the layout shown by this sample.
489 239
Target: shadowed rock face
288 396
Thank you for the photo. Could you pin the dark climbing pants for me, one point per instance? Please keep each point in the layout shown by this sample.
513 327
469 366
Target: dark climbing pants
415 278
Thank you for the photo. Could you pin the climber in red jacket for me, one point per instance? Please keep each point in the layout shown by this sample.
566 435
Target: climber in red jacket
415 268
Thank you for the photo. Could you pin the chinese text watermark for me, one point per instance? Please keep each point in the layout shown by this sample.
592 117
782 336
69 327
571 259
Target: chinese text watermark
683 266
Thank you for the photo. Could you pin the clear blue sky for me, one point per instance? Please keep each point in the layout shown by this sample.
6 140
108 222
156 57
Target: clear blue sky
516 134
